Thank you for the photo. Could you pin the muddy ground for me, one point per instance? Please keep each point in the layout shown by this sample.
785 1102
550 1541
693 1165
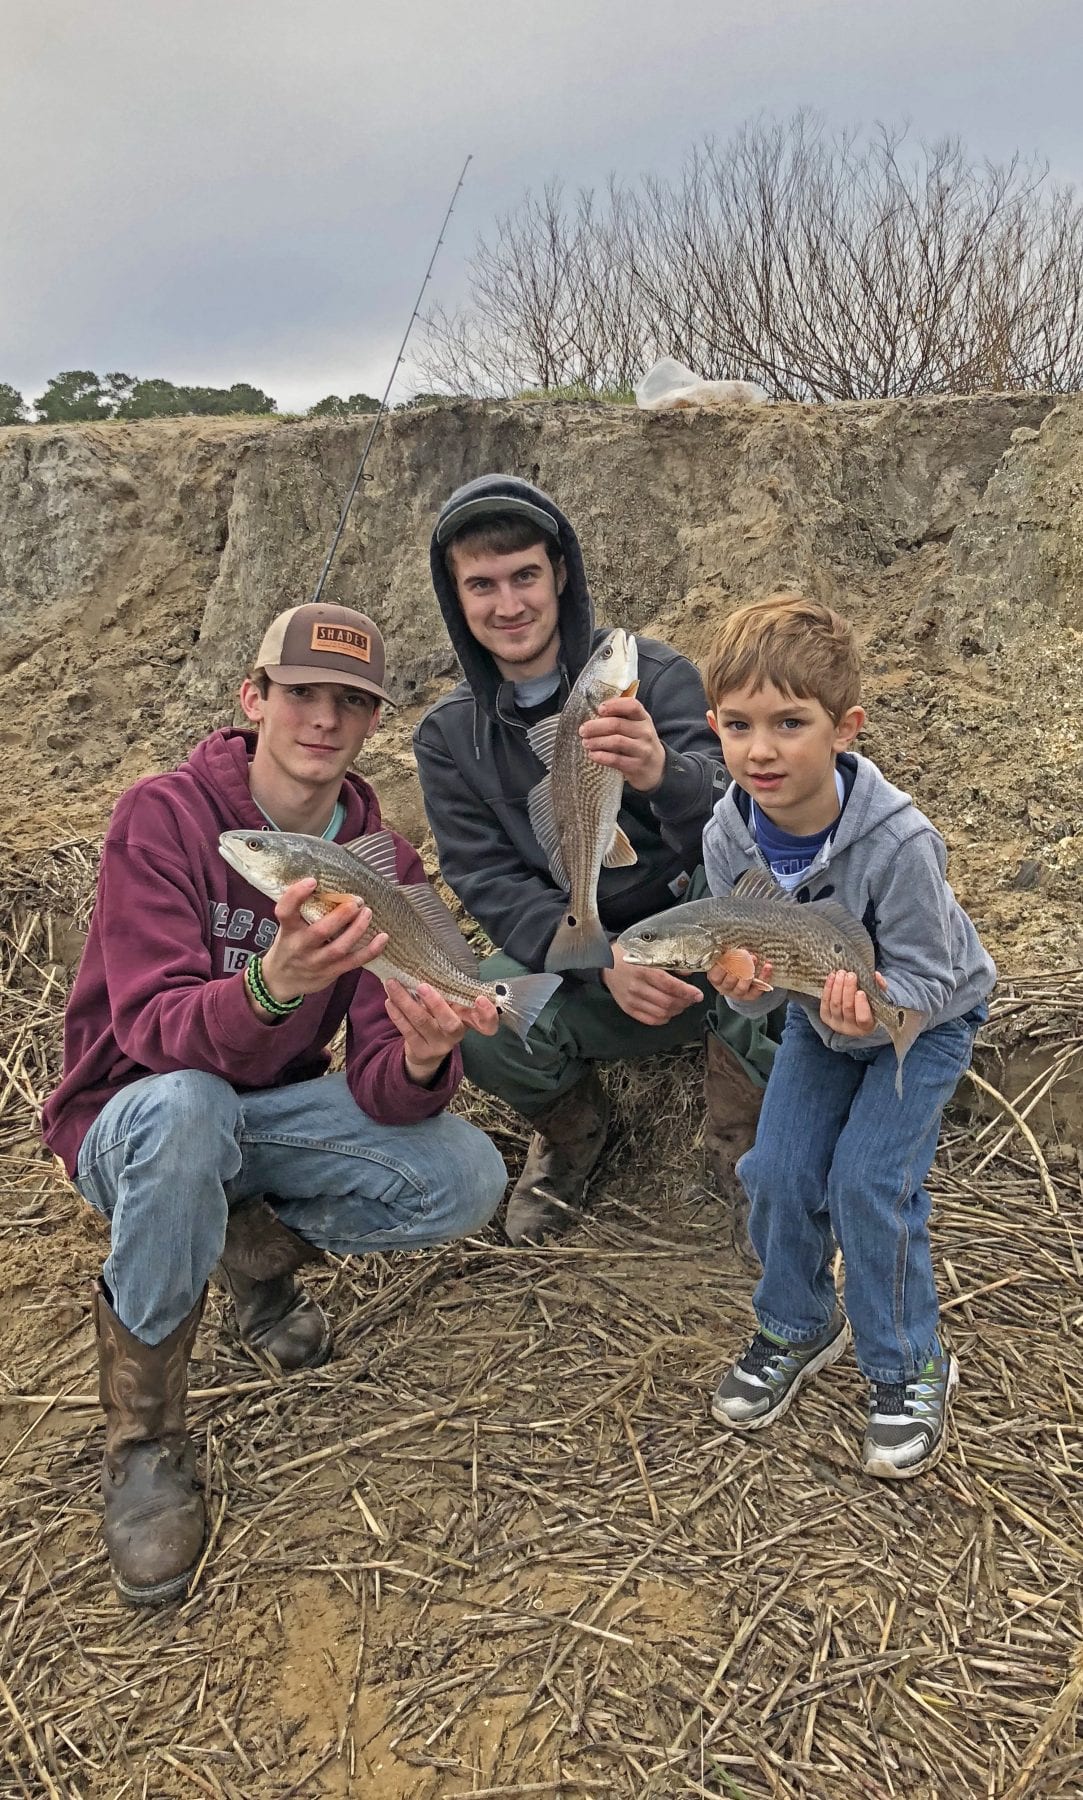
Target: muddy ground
498 1545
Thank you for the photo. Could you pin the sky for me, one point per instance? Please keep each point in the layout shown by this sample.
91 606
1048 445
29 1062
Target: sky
250 190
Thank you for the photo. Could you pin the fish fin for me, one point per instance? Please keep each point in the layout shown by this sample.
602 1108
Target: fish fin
377 851
904 1025
620 854
852 934
522 1000
323 901
758 884
441 922
579 944
630 692
543 823
741 964
542 739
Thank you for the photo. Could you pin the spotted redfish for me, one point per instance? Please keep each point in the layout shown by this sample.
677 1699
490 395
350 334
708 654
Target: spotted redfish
760 922
573 809
424 941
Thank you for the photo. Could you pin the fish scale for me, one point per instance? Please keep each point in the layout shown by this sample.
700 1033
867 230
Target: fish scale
760 923
424 940
574 808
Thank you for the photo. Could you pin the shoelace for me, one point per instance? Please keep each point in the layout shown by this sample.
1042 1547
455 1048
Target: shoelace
760 1352
905 1399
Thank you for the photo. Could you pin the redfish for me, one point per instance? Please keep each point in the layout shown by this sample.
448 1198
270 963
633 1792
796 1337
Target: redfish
760 922
573 810
424 941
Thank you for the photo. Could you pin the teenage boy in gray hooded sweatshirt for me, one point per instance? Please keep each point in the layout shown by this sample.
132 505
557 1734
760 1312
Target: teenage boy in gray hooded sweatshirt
839 1157
508 574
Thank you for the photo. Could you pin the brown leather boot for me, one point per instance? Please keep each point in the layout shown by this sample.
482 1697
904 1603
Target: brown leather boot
733 1103
154 1515
257 1270
569 1137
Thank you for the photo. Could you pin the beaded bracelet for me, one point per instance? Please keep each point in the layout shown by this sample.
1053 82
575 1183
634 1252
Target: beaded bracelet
257 987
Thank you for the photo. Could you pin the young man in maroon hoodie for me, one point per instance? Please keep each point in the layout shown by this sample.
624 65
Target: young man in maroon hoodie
195 1109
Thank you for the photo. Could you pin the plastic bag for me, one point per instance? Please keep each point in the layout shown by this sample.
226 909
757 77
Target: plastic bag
669 386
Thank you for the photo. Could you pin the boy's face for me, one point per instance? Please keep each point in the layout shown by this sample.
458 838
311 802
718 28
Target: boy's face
309 734
782 751
511 606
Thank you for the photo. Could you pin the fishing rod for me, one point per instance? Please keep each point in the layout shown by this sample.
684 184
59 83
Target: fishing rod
382 408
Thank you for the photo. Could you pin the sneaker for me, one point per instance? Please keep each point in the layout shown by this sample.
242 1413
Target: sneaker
908 1422
762 1382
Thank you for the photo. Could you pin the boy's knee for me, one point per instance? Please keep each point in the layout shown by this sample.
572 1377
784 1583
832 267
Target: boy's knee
770 1167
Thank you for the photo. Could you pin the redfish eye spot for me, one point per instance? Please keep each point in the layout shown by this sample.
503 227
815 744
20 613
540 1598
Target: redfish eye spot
571 920
501 990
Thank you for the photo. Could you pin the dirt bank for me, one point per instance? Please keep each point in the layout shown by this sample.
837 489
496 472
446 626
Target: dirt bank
140 563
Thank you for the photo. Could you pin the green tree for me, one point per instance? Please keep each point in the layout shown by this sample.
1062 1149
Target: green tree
334 407
424 399
242 397
73 394
117 388
12 405
155 399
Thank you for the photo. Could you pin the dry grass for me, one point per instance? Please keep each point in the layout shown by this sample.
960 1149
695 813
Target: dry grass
497 1546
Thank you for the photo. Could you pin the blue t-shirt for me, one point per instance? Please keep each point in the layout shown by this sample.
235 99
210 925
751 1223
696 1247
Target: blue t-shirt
789 857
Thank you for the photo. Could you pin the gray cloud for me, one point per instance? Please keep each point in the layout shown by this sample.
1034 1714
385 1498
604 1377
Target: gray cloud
250 189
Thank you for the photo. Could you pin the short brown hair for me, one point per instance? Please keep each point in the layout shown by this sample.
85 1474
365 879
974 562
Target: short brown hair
803 648
501 535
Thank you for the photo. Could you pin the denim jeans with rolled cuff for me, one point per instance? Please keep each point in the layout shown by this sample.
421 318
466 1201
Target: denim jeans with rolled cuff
840 1159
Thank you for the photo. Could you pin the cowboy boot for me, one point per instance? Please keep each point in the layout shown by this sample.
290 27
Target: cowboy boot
733 1103
547 1200
154 1514
257 1269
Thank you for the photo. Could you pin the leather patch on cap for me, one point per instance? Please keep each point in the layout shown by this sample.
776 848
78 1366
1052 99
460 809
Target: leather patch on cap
342 640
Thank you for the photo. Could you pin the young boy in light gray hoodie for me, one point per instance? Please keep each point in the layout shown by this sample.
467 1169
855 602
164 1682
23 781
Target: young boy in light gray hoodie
839 1158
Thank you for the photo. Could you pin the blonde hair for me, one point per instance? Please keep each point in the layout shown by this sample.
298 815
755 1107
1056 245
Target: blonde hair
801 647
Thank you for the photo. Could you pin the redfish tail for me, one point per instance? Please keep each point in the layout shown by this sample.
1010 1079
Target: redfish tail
521 998
906 1025
579 943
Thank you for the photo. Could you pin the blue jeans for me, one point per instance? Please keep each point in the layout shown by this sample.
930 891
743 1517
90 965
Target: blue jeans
169 1155
840 1159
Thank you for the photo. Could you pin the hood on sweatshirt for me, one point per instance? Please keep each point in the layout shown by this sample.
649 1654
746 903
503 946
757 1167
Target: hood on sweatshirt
576 613
220 766
869 800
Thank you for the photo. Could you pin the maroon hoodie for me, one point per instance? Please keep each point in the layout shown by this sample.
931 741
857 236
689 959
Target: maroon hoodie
161 982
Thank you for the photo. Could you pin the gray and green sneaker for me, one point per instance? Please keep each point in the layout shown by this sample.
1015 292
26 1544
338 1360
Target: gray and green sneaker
763 1381
908 1421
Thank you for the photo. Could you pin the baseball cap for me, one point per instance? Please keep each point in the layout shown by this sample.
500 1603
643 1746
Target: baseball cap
319 642
489 506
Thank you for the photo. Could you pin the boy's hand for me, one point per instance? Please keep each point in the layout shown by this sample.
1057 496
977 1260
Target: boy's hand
305 959
622 736
431 1027
844 1008
653 996
739 977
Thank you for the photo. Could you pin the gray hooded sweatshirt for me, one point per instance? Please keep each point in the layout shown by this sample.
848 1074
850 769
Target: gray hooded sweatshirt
886 863
477 768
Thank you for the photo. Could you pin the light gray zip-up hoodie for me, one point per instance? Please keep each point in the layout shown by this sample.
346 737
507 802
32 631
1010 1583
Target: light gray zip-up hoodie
886 863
